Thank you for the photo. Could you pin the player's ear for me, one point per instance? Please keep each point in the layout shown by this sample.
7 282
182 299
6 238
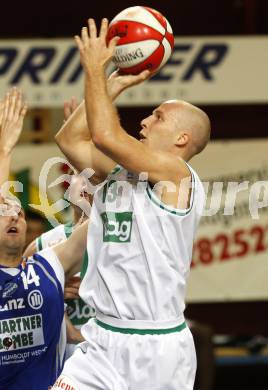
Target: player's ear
182 139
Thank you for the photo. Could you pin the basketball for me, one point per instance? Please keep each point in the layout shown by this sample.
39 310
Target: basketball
146 40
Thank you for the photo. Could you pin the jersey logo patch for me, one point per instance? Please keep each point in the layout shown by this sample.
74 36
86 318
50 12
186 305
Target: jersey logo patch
35 299
117 227
20 333
9 290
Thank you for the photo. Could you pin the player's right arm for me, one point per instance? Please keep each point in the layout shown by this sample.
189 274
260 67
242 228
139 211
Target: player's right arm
74 137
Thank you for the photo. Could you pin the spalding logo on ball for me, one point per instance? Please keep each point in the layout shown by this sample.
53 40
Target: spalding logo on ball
146 40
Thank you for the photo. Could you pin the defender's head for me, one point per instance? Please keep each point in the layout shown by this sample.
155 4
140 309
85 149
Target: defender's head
12 227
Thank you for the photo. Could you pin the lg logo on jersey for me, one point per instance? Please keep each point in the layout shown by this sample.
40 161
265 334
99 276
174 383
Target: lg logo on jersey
117 226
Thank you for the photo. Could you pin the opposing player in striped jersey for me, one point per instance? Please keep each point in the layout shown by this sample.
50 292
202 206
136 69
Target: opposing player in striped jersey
31 290
32 344
141 233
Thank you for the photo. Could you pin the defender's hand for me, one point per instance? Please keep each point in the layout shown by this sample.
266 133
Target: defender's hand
71 288
12 113
69 106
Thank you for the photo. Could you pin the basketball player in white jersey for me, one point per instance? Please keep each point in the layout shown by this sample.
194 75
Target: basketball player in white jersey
140 234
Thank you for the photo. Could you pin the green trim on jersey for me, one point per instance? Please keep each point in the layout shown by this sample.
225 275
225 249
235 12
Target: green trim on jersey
84 265
170 209
116 169
178 328
38 244
68 229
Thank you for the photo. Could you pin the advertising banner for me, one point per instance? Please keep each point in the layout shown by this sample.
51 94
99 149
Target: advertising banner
202 70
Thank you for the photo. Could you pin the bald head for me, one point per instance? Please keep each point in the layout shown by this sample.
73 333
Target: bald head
192 121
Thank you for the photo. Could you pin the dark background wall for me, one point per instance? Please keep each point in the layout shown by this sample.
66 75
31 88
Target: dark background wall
192 17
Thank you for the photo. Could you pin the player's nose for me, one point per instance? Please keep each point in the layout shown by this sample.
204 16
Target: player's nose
142 123
14 217
145 122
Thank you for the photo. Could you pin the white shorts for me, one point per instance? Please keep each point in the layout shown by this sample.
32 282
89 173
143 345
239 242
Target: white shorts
120 361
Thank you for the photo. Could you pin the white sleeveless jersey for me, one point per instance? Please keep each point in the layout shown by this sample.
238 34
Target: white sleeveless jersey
139 250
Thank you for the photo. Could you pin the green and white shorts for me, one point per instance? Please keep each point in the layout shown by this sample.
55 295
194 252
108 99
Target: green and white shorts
123 358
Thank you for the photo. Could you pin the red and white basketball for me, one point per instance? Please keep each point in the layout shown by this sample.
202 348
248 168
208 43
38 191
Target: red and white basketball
146 39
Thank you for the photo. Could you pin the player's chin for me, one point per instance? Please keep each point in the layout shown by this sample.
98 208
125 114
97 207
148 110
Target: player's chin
16 243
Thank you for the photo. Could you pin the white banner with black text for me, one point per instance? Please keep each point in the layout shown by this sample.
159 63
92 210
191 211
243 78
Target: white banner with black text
202 70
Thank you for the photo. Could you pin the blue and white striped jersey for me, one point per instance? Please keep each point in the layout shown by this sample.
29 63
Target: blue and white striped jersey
31 320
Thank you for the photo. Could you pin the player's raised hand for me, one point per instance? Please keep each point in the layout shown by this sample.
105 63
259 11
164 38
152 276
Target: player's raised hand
117 83
94 51
12 113
69 107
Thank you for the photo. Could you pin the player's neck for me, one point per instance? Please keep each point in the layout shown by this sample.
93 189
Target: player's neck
10 258
184 154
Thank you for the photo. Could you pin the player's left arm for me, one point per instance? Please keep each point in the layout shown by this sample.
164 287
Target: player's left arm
71 251
107 133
